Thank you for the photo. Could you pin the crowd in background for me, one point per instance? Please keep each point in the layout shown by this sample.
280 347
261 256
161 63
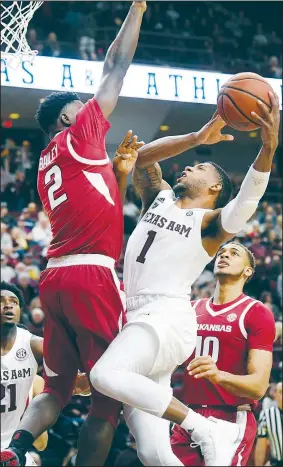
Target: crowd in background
26 234
206 35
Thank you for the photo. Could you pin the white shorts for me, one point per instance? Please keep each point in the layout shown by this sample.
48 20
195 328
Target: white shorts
173 321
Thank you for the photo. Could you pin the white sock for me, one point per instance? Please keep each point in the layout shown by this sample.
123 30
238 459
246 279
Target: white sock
194 421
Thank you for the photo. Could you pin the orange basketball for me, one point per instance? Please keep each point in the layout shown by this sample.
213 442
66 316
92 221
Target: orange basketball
238 98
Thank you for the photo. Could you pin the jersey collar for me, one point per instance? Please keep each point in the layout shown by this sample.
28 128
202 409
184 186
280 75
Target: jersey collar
214 310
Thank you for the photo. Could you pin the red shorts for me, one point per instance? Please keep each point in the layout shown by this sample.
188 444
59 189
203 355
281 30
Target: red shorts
180 439
83 314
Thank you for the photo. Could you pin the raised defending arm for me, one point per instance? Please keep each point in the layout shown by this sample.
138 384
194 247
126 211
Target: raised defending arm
118 59
125 159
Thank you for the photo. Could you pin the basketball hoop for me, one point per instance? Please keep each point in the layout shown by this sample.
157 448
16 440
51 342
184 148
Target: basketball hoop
15 18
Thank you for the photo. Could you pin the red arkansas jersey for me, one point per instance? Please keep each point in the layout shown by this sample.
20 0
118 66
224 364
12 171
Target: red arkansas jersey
79 191
227 333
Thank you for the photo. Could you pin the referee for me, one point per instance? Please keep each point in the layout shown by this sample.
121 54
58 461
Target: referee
270 431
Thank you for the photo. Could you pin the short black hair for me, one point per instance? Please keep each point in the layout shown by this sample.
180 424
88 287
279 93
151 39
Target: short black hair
49 110
226 191
250 255
14 289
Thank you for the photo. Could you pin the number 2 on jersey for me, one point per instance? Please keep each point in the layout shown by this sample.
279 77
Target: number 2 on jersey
55 174
149 241
12 389
203 347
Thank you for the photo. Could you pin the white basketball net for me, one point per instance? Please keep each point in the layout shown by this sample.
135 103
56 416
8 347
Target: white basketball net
15 18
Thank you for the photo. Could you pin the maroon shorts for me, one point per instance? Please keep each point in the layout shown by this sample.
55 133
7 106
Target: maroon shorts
83 314
181 440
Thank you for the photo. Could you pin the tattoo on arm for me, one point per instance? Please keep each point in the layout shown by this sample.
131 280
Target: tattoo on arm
148 178
148 183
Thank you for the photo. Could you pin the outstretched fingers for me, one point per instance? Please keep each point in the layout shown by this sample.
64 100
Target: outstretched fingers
132 142
227 138
259 120
127 138
217 121
267 117
138 145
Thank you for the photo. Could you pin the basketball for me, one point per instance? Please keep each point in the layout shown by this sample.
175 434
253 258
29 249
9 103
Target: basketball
238 98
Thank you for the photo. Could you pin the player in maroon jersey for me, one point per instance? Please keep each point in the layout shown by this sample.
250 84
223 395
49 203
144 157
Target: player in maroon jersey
79 290
230 368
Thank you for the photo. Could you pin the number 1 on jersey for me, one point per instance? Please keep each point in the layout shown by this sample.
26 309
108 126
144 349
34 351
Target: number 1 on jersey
151 236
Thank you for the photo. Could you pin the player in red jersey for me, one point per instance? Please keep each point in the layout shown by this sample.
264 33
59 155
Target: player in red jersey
230 368
79 290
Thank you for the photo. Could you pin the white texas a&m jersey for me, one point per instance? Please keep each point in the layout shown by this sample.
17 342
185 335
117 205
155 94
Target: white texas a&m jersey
18 369
165 254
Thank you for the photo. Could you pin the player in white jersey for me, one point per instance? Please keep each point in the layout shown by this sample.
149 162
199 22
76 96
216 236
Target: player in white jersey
179 233
21 352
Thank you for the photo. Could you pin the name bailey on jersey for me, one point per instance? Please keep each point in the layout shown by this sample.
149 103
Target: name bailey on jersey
162 222
11 375
48 158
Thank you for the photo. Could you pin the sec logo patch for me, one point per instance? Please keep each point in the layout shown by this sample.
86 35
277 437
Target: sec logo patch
189 213
21 354
232 317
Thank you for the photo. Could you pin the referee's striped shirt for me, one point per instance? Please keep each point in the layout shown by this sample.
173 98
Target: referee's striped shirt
270 426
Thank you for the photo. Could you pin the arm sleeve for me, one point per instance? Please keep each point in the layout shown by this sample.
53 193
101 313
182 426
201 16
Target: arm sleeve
86 138
238 211
260 326
262 426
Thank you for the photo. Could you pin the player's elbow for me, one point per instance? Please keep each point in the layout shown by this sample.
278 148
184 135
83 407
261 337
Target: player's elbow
257 395
259 391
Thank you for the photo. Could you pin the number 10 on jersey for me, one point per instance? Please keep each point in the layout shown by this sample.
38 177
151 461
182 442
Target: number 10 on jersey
207 346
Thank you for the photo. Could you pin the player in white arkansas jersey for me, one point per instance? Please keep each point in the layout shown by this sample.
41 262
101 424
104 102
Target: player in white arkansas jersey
161 330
